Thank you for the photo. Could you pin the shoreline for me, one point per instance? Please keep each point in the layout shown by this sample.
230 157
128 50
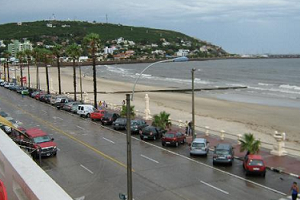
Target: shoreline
232 117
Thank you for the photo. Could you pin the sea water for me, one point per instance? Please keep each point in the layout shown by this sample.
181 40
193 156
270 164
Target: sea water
274 82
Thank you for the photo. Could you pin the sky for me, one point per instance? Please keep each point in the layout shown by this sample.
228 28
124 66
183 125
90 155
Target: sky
238 26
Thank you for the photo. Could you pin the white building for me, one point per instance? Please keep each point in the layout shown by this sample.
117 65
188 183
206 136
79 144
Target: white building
2 44
109 50
182 52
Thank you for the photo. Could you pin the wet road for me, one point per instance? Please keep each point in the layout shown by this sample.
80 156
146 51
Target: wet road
91 162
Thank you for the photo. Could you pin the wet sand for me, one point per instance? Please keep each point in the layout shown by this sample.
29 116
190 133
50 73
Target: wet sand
232 117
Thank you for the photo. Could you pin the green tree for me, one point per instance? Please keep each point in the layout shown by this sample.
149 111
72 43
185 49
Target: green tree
57 52
45 56
92 43
36 53
249 144
162 120
6 54
74 51
21 57
28 54
123 112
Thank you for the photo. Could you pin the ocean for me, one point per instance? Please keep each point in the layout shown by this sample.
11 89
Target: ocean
273 82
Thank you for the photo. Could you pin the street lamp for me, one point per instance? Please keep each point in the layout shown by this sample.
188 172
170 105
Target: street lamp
193 105
129 158
178 59
81 99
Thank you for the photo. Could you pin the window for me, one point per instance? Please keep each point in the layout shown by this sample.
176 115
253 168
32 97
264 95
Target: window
42 139
198 145
256 163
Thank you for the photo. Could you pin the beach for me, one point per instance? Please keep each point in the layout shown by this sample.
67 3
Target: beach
232 117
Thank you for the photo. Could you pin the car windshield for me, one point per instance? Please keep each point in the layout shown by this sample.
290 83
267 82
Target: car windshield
134 123
169 135
256 163
108 115
195 144
149 128
120 120
222 152
42 139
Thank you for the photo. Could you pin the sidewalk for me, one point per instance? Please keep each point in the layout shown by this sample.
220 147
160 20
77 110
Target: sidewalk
282 164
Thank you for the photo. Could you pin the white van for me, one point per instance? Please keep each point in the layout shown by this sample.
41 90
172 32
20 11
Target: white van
85 110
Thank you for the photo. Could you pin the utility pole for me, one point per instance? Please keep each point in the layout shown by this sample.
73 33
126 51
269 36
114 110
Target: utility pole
193 105
129 163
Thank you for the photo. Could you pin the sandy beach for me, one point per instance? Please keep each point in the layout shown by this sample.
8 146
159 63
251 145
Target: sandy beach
232 117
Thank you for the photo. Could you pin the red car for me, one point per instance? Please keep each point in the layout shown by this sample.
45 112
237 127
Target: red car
97 115
254 164
173 138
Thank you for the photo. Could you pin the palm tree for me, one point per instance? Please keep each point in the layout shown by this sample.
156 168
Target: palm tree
57 52
249 144
46 59
21 56
92 42
162 120
123 112
6 55
28 54
74 51
36 53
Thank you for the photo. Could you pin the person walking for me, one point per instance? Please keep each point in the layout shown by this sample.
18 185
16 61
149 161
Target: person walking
190 128
294 191
186 127
100 104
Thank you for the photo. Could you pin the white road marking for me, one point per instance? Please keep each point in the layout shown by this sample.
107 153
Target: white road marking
80 198
149 158
87 169
209 185
80 127
58 149
108 140
59 118
44 111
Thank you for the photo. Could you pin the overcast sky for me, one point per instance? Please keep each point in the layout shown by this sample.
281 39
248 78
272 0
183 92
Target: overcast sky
239 26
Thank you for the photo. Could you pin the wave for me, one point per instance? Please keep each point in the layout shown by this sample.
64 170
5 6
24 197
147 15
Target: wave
291 87
265 84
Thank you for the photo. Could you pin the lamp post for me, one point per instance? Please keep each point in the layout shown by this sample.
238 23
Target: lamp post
178 59
81 99
129 159
193 104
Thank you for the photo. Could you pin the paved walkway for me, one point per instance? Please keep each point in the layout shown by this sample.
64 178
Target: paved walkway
283 164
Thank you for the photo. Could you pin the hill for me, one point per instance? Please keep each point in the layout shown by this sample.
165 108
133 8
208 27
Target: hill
50 32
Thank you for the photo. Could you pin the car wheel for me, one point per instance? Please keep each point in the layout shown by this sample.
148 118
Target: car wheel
177 144
88 116
264 174
141 137
92 119
230 164
214 163
164 144
183 141
154 138
54 154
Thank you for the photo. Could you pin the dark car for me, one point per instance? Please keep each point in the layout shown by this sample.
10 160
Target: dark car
137 125
109 118
119 124
173 138
3 114
223 153
68 106
43 97
151 132
14 87
254 164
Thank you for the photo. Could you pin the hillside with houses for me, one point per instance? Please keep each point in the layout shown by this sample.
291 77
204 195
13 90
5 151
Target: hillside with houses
118 42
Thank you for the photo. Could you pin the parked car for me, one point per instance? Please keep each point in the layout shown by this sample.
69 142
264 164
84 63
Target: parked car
137 125
85 110
41 142
173 138
60 102
13 87
254 164
41 93
3 83
97 115
34 93
8 84
68 106
223 153
119 124
199 146
109 118
3 114
151 132
53 99
74 109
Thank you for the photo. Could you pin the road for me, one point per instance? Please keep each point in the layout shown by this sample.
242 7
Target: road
91 162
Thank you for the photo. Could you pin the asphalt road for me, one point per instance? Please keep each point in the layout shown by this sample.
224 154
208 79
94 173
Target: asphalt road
91 162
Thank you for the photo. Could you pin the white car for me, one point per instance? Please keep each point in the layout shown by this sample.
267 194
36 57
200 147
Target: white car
7 85
85 110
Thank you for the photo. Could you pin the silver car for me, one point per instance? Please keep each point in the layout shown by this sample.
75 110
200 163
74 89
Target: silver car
199 146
